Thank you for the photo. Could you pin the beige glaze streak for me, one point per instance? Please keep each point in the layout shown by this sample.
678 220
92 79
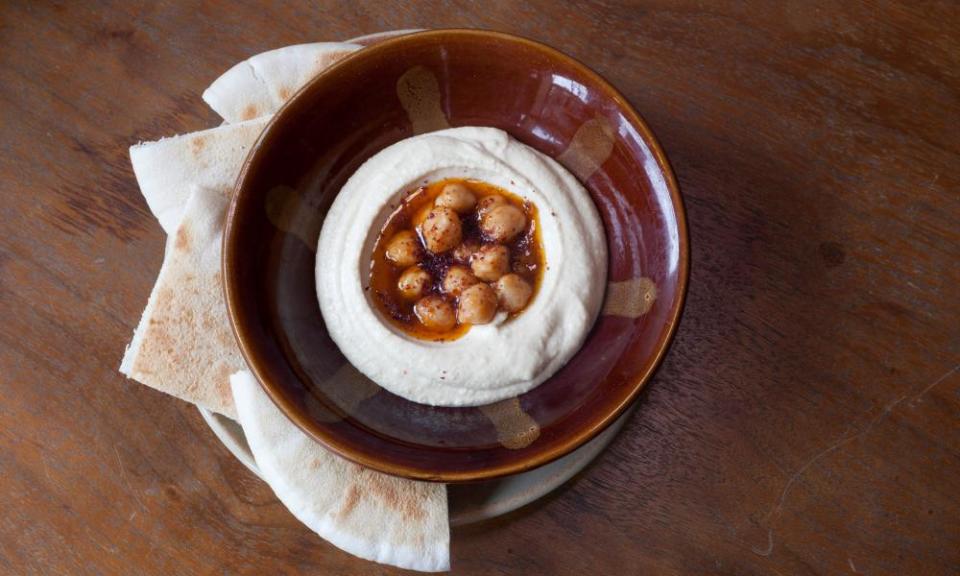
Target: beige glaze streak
419 93
284 212
630 299
515 428
589 149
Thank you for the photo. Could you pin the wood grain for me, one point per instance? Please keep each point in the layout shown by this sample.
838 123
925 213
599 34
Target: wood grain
804 422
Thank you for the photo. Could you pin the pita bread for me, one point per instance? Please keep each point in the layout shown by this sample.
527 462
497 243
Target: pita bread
183 345
368 514
263 83
166 169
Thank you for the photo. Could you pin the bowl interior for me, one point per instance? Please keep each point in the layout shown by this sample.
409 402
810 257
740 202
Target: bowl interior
392 91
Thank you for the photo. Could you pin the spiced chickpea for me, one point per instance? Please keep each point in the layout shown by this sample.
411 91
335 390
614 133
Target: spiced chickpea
440 265
414 282
490 262
441 230
421 215
457 279
513 292
488 203
503 223
477 305
456 197
436 313
404 249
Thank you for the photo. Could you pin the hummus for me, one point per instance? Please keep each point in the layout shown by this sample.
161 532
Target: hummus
490 362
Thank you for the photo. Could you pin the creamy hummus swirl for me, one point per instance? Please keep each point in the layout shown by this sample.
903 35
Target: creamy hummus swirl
490 362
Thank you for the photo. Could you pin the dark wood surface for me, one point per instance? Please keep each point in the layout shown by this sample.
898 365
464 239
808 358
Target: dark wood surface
805 420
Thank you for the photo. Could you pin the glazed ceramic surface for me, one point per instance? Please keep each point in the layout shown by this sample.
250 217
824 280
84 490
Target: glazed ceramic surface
394 90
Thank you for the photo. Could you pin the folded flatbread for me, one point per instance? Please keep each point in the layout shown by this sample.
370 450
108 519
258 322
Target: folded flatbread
368 514
167 169
183 345
262 84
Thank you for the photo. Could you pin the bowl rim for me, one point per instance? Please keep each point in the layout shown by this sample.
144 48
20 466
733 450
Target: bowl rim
577 438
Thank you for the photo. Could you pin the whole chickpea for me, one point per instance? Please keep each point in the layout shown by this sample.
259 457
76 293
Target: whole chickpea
404 249
488 203
513 292
420 215
435 313
441 230
413 282
456 197
503 223
478 305
457 279
490 262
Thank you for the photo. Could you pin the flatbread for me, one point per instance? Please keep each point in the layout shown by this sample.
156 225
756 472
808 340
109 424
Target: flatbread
167 169
374 516
263 83
183 345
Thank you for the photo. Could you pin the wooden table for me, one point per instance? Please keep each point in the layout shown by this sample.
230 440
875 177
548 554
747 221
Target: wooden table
805 420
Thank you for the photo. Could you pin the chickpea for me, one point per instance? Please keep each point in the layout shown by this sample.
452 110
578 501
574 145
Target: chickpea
421 215
441 230
435 313
503 223
403 249
478 305
513 292
488 203
490 262
413 282
463 252
457 197
457 279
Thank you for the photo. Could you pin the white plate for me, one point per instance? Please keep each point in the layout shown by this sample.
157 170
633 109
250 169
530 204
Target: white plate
469 503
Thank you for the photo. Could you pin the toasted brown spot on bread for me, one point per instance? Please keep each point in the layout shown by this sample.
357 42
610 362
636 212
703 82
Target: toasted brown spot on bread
186 345
328 58
197 144
223 378
165 299
249 112
208 321
224 337
350 501
382 489
182 242
224 391
159 339
325 60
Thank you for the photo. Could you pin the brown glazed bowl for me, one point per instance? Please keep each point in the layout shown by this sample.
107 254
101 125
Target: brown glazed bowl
418 83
